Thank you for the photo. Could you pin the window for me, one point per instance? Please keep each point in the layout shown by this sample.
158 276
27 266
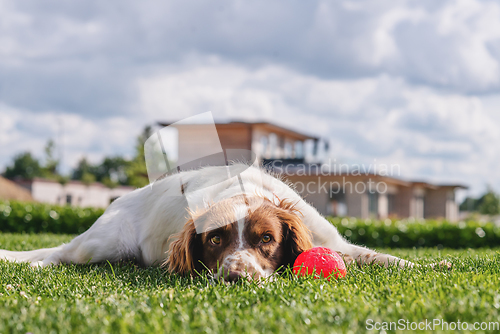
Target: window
391 203
299 149
69 198
273 145
419 207
450 196
288 150
337 204
373 203
264 146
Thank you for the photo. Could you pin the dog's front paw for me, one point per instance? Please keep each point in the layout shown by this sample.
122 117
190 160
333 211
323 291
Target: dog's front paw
37 264
442 265
41 264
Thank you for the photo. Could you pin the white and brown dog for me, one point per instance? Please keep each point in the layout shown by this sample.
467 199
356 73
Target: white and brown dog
154 227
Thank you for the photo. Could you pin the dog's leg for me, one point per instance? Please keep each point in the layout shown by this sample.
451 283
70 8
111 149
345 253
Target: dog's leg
363 256
89 247
325 234
27 256
111 238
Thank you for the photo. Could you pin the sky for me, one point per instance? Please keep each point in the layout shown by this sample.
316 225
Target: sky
414 83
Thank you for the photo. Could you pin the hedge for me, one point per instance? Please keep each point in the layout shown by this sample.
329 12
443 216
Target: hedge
38 217
409 233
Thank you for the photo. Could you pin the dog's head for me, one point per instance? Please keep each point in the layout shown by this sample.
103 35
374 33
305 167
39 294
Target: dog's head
269 237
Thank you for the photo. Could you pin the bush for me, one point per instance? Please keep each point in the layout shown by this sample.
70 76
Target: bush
415 233
38 217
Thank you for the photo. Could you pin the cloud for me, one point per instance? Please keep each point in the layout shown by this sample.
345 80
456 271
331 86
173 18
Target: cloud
443 136
412 82
432 135
76 136
84 57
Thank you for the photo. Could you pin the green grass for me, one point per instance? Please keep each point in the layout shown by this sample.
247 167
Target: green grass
126 298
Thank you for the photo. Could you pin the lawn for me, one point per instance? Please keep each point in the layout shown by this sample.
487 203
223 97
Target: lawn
126 298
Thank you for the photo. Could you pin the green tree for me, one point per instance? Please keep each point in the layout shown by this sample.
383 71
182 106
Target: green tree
112 171
136 170
24 166
469 204
84 168
51 163
489 203
88 178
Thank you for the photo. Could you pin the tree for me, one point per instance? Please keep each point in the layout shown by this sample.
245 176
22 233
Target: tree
469 204
489 203
51 163
83 170
136 171
24 166
88 178
112 171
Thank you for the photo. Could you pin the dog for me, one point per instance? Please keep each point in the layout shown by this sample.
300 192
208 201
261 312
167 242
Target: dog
201 219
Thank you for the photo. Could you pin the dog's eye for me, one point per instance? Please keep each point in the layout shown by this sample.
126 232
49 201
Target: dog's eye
215 239
266 238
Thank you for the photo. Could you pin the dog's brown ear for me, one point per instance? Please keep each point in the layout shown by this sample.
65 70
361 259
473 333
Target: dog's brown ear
185 251
296 235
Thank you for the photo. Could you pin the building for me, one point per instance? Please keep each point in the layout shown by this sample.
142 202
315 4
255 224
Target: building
332 189
215 143
74 193
11 191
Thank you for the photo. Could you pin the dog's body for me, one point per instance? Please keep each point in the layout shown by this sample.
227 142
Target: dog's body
150 224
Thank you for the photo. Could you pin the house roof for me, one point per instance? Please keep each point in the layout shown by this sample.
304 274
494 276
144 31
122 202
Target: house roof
423 184
72 182
301 169
437 185
11 191
461 186
266 125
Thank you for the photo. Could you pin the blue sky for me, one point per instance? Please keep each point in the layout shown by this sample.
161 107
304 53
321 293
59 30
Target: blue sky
410 82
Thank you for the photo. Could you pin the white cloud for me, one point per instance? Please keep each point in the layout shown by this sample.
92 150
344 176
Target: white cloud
431 134
414 82
22 130
91 53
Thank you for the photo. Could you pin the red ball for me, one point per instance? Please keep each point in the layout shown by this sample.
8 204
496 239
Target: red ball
321 262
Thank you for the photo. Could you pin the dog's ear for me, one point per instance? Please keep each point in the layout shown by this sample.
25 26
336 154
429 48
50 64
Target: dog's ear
185 252
297 237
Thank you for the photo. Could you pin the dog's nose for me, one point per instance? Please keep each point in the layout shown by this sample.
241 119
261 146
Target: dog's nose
233 276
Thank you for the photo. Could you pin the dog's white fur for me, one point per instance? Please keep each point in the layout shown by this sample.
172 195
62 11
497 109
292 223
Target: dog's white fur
139 225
